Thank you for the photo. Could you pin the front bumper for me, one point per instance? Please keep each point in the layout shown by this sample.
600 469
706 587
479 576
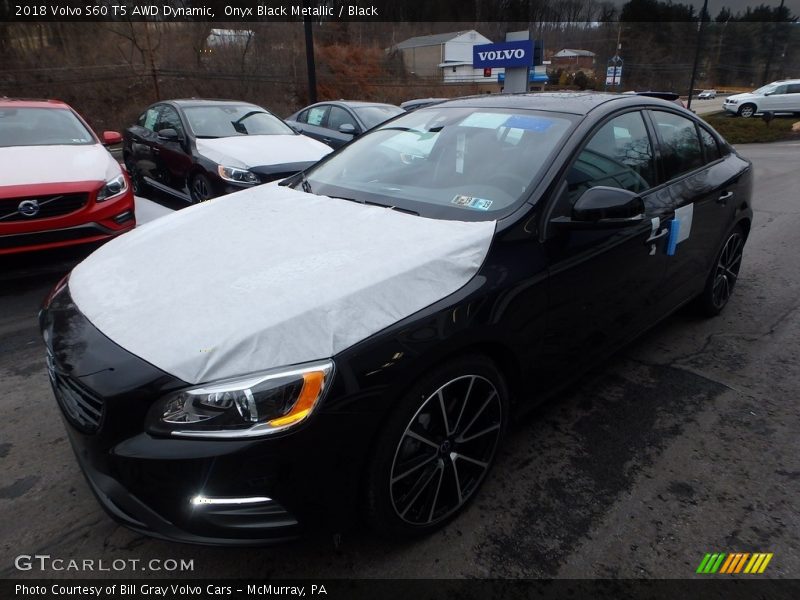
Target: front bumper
92 222
305 478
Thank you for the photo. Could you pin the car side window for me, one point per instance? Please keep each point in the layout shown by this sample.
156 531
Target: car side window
793 88
710 146
170 120
317 116
149 119
619 154
302 117
781 89
338 117
681 151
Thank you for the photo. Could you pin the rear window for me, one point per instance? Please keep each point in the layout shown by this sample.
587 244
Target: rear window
25 126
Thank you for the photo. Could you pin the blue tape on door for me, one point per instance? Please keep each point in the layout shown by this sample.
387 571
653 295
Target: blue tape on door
672 240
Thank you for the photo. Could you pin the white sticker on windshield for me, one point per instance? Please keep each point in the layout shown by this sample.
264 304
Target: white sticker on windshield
484 120
471 202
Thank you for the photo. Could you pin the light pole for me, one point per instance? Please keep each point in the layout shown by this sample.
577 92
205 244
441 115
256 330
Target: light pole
697 53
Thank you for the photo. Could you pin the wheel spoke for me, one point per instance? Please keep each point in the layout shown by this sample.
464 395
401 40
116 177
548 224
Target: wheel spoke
477 414
489 429
444 412
436 495
456 480
421 489
413 469
480 463
419 438
464 403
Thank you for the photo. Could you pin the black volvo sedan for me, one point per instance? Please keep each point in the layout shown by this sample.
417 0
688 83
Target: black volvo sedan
355 341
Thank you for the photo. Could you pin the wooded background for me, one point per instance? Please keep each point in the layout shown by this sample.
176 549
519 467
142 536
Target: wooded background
110 71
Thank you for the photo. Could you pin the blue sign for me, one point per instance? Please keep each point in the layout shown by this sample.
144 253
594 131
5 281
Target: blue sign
533 77
506 54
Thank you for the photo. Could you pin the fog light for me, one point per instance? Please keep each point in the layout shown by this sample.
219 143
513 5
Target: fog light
200 500
123 217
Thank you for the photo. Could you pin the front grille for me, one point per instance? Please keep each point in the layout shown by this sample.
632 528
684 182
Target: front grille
81 407
53 236
40 207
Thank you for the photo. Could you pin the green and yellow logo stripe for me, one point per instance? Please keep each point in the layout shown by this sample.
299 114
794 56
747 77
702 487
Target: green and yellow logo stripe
735 562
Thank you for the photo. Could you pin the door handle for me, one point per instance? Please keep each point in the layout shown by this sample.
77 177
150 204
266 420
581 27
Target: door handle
724 197
656 236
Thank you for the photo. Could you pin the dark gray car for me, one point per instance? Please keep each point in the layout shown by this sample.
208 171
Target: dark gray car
336 123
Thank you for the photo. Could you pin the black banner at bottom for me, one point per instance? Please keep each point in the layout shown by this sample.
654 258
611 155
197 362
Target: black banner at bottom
402 589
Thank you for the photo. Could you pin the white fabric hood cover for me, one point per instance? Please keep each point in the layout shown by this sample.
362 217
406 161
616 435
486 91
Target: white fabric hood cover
247 151
269 277
21 165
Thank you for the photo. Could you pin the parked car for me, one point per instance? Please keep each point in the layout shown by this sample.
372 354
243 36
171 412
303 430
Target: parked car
410 105
707 95
199 149
336 123
355 341
59 185
777 97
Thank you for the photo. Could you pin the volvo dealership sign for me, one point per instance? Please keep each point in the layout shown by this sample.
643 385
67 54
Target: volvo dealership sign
506 54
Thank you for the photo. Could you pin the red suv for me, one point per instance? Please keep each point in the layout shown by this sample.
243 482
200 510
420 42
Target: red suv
59 186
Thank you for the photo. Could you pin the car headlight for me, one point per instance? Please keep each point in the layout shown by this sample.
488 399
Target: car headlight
255 405
729 101
113 187
237 175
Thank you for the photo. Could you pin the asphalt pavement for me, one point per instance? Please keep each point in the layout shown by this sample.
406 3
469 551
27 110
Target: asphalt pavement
685 443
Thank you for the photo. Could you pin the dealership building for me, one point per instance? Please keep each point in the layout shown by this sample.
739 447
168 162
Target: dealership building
446 57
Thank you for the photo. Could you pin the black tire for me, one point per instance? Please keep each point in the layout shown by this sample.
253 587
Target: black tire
138 185
436 448
724 274
747 110
200 188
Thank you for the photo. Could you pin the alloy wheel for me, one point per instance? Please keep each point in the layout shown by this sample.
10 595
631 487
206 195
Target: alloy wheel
446 450
200 189
747 111
727 270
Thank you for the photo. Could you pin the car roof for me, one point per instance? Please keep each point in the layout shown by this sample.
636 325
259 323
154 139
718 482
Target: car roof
189 102
352 103
578 103
31 103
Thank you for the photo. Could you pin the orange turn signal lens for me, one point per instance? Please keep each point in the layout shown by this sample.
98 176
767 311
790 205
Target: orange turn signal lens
312 390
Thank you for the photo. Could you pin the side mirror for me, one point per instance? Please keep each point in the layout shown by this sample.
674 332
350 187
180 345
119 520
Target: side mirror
347 128
111 138
168 134
604 206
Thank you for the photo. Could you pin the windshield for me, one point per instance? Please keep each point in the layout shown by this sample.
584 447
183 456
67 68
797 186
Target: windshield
454 163
42 127
228 120
375 115
763 90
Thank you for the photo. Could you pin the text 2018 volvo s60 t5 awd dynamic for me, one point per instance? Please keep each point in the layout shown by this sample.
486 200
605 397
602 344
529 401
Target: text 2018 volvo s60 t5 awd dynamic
355 341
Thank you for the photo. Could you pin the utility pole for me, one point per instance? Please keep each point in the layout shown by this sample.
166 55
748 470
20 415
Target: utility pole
616 60
697 53
310 64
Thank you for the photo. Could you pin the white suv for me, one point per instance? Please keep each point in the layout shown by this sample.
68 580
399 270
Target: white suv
778 96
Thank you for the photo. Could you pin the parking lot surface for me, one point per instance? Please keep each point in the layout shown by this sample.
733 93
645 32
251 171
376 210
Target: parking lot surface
685 443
